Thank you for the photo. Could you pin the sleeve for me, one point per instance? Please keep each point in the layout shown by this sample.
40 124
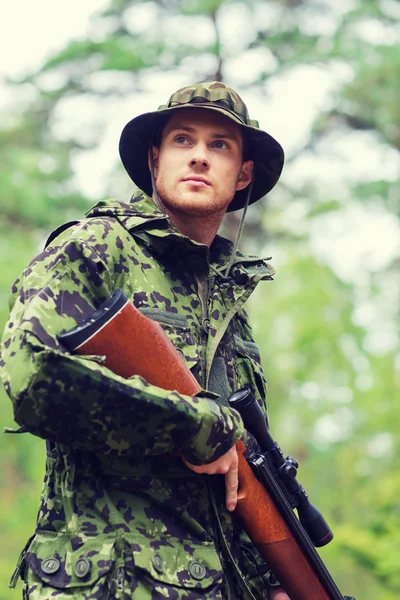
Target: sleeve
75 400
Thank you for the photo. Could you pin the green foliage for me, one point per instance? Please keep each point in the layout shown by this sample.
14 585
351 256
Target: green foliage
22 457
328 206
36 186
374 92
114 53
199 7
341 428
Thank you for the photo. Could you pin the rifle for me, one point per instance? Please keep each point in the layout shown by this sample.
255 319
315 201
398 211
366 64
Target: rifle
133 344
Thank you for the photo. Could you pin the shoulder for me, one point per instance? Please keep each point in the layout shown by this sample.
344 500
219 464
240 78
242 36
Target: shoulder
90 230
103 238
88 249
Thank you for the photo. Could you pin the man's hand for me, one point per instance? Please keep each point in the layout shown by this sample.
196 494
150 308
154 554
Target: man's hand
227 465
277 593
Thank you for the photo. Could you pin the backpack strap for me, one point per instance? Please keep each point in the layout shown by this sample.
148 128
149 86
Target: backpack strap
58 231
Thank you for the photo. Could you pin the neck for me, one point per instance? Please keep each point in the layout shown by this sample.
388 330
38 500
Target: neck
199 228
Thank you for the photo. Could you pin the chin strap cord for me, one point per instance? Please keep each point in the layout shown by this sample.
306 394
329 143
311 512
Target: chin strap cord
240 229
153 182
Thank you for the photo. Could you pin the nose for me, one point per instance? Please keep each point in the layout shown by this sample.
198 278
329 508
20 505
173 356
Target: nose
196 161
199 157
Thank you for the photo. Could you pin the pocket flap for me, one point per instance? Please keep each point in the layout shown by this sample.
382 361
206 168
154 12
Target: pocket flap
67 562
179 563
177 328
165 317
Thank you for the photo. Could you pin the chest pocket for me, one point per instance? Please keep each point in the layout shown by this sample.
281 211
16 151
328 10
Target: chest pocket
52 568
104 568
172 569
249 371
177 328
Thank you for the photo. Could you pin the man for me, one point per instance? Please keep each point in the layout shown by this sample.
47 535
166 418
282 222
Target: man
141 483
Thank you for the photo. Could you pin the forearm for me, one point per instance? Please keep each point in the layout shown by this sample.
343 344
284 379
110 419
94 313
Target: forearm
75 401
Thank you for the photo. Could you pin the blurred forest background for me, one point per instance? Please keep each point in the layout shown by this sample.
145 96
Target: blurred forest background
323 77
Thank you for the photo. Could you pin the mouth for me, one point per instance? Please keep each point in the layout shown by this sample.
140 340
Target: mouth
193 179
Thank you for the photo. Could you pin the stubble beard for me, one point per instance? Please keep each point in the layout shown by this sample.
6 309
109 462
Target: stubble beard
190 204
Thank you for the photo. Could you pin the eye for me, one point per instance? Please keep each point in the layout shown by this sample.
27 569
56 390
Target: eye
181 139
220 145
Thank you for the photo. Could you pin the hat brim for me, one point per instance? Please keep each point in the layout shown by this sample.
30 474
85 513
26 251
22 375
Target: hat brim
136 137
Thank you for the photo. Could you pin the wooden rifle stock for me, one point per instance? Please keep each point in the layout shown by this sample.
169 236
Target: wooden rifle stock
133 344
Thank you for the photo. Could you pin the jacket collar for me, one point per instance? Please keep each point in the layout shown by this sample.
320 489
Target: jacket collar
142 218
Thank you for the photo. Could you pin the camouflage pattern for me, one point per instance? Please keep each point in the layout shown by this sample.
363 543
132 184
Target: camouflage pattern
120 515
266 152
214 92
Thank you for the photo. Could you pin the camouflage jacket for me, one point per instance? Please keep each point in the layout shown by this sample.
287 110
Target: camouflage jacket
120 513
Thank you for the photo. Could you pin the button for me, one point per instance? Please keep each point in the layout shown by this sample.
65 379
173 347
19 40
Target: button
197 570
205 325
158 563
82 567
50 565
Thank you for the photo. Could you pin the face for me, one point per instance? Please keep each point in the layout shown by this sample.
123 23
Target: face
199 167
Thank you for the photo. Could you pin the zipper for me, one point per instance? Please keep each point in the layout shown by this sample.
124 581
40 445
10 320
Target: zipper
204 282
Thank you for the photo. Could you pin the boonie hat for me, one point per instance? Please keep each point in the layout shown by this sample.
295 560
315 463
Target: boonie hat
265 151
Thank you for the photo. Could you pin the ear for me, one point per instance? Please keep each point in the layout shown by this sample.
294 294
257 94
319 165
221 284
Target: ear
156 152
245 175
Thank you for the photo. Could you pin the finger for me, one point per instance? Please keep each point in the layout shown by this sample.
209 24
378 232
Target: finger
231 484
195 468
278 593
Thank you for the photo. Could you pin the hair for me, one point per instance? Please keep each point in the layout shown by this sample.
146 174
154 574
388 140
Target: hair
247 153
159 124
